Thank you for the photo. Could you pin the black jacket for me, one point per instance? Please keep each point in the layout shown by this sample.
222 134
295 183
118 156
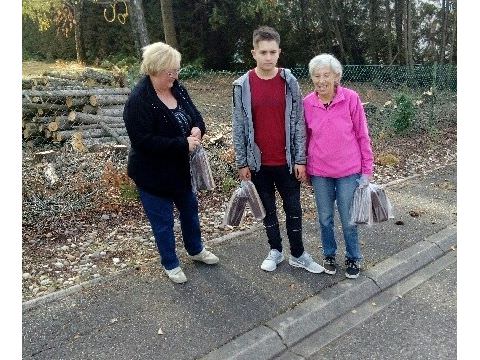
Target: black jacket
158 161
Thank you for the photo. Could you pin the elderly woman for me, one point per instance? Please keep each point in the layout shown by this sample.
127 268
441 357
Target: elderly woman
339 157
164 126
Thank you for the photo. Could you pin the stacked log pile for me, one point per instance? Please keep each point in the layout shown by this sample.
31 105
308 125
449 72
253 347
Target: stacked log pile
65 109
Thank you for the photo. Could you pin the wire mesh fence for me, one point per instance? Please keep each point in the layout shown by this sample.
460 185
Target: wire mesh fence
416 76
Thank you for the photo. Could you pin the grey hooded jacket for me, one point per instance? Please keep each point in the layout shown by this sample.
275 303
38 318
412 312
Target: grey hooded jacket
247 153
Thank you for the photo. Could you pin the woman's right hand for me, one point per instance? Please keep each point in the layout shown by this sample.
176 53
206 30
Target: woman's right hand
193 142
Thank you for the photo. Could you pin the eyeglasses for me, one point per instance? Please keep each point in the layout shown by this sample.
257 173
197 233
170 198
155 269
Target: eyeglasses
173 72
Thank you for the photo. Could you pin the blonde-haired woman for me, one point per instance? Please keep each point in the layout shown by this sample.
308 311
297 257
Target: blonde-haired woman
164 126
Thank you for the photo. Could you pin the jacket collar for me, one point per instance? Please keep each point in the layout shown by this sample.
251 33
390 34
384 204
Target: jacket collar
150 91
286 74
339 96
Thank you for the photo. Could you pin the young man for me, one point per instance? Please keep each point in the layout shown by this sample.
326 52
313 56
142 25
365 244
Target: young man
269 142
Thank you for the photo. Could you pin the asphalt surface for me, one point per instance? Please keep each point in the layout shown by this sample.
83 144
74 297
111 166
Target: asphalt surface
422 324
234 309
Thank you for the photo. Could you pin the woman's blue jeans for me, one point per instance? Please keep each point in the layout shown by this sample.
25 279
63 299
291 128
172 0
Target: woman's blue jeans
159 211
327 191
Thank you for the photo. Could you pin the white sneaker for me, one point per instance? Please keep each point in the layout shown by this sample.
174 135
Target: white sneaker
305 261
274 258
206 256
176 275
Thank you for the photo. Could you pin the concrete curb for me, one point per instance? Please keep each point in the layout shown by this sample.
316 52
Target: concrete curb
404 263
60 294
318 311
351 319
257 344
56 295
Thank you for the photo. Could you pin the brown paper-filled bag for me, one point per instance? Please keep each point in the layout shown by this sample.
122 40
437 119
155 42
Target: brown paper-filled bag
256 205
202 178
381 207
361 208
235 208
370 205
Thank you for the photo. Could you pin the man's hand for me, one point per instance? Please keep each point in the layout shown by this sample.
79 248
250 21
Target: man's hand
196 132
244 173
300 172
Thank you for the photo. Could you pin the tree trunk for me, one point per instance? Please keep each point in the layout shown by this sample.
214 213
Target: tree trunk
444 31
71 101
399 4
76 92
113 110
99 100
77 19
374 31
88 133
454 33
138 17
388 31
80 117
409 32
134 25
168 23
338 34
115 133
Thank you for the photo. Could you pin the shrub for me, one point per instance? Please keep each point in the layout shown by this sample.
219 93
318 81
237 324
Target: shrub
403 114
129 192
228 184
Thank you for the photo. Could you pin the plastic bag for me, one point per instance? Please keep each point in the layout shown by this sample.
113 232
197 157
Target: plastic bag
254 202
235 208
201 174
361 208
381 206
370 205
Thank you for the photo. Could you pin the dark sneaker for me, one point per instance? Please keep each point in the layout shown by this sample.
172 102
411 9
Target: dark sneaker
330 265
353 269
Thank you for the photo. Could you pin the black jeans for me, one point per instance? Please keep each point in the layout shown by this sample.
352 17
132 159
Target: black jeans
279 177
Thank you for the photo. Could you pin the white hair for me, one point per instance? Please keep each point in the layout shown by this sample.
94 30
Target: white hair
326 59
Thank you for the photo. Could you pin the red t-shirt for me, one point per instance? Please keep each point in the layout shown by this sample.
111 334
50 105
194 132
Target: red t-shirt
268 111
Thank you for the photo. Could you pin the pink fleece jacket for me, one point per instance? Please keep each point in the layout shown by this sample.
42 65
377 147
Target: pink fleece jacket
338 143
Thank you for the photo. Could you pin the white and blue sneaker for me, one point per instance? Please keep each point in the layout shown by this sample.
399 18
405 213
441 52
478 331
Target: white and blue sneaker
273 258
305 261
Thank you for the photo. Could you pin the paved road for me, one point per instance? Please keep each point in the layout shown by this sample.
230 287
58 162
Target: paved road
420 325
120 317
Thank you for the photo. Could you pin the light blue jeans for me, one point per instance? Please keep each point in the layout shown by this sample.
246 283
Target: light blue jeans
327 190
